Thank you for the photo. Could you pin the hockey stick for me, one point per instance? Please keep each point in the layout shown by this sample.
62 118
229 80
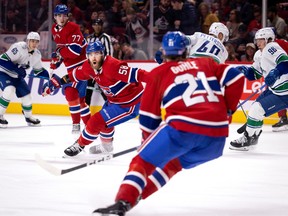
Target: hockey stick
243 127
58 171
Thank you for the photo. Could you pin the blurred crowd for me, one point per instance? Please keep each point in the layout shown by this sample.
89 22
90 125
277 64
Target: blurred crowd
127 21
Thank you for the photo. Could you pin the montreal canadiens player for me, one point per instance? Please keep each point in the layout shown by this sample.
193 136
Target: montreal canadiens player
270 62
123 88
195 126
71 46
21 56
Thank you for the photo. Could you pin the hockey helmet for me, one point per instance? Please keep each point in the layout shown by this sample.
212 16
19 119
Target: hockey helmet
174 43
265 33
95 46
61 9
216 28
33 36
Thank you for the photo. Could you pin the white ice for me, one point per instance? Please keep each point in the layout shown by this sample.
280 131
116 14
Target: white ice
253 183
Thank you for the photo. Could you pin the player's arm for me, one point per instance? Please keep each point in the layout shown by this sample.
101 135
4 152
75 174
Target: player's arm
233 82
73 49
150 110
278 71
12 69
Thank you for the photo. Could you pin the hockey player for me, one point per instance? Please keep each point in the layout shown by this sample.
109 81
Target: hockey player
270 62
200 44
70 50
122 87
21 56
192 133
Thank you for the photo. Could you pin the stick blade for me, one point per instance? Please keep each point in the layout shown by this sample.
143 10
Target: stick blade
46 166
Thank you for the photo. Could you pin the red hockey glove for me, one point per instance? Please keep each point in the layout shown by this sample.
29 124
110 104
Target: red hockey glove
51 85
56 60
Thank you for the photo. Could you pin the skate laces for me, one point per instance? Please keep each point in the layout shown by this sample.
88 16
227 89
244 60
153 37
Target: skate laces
242 139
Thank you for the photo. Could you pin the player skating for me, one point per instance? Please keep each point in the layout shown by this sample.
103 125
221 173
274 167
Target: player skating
70 50
192 133
270 62
21 56
123 88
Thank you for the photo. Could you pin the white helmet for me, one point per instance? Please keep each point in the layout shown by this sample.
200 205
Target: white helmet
265 33
33 36
218 27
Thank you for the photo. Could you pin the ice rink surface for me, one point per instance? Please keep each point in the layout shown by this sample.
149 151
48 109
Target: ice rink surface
253 183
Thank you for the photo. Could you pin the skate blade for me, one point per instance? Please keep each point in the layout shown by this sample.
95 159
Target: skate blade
33 125
3 126
246 148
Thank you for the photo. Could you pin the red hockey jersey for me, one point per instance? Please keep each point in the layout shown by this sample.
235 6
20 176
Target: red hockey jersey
71 43
119 82
196 94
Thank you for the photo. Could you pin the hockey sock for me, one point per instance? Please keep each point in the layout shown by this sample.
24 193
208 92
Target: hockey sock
27 105
135 180
160 177
95 124
6 97
85 111
72 97
106 135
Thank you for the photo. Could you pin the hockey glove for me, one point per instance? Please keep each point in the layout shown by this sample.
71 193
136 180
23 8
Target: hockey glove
51 85
56 60
21 72
158 57
247 71
272 76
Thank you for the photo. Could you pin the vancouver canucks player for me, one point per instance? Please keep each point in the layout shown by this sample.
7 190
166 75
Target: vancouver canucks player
20 57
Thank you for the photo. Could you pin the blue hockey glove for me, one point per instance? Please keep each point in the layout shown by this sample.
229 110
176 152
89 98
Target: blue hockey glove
247 71
21 72
158 57
272 76
51 85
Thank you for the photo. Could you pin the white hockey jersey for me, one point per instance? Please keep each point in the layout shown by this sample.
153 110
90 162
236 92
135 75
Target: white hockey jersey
18 53
267 60
201 44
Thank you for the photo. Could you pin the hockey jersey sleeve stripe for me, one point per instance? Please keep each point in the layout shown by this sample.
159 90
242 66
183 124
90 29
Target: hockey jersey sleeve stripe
148 124
75 48
230 75
133 75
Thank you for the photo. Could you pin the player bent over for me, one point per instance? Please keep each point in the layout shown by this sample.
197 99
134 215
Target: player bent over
270 62
192 133
13 64
123 88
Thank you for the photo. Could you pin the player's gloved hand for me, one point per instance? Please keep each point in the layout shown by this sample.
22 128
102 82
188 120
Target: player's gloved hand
158 57
272 76
56 60
247 71
21 72
51 85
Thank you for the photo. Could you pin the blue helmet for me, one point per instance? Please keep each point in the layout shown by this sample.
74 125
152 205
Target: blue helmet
174 43
95 46
61 9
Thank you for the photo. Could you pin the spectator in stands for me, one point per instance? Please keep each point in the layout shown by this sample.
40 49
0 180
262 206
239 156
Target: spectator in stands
137 31
117 52
256 23
76 12
184 17
249 53
93 6
246 11
13 23
224 10
131 53
233 24
40 14
161 19
277 22
206 17
232 55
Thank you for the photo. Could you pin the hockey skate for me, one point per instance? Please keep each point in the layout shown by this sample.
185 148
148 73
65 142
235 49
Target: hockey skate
76 129
106 148
74 149
119 208
32 121
3 122
282 125
245 142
